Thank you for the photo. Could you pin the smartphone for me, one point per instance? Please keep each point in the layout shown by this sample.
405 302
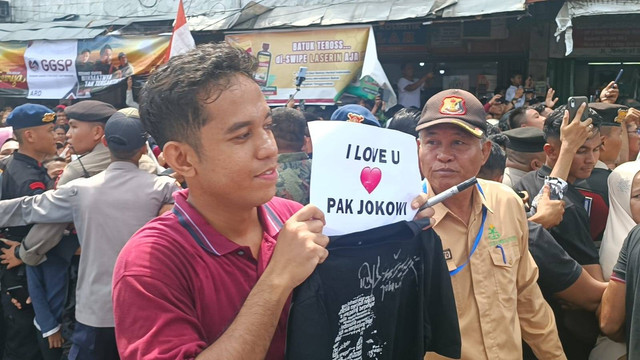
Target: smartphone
619 76
19 293
301 76
574 103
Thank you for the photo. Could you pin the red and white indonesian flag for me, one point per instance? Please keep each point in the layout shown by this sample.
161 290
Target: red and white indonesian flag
181 39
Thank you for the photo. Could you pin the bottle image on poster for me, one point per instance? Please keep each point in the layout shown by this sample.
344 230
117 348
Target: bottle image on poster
264 63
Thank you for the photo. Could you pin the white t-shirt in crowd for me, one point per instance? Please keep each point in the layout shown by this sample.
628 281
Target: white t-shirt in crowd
408 98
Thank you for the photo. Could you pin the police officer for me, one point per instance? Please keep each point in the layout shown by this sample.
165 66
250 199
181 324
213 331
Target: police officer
24 175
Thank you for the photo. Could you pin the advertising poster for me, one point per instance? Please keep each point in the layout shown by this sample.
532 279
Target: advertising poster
69 69
333 57
13 72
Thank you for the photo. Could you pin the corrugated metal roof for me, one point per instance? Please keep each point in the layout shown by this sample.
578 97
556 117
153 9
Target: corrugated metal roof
266 14
65 30
276 13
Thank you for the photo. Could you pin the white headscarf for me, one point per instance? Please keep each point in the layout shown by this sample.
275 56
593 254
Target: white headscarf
619 222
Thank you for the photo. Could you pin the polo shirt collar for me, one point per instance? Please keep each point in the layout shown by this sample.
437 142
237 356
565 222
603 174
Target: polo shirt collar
479 200
206 235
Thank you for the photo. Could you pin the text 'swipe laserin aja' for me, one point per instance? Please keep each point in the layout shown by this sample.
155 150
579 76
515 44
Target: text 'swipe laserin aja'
362 176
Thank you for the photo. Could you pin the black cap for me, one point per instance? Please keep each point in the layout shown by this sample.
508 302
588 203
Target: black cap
525 139
122 55
90 111
30 115
612 114
124 131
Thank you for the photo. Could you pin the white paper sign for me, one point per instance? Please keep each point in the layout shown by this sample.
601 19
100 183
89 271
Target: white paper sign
362 176
51 69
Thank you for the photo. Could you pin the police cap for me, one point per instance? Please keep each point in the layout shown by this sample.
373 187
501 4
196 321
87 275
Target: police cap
124 131
612 114
525 139
30 115
90 111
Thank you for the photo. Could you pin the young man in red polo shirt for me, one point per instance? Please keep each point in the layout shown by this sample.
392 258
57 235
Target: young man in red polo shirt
207 280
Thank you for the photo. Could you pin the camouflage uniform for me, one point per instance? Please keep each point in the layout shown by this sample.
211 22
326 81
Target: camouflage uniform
294 173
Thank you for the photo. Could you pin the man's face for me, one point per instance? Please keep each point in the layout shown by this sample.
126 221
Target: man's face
84 57
61 118
533 119
54 168
61 135
106 55
611 144
449 155
123 60
83 136
44 139
585 158
407 72
238 154
516 80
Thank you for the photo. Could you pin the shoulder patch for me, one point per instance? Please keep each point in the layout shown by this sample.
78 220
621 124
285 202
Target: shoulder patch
37 185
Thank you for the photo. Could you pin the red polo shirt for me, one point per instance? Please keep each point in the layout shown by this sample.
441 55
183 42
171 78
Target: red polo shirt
178 283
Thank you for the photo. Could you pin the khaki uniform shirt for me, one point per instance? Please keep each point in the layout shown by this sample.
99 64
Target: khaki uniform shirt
512 176
497 296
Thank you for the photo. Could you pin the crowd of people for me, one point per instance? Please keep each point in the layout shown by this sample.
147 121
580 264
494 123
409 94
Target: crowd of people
155 233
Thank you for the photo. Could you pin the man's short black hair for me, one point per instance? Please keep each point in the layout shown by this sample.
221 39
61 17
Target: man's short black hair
554 122
517 118
172 102
85 50
105 48
288 129
514 74
495 165
406 121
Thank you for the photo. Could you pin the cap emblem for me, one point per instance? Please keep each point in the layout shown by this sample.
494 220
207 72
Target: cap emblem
48 117
356 118
453 105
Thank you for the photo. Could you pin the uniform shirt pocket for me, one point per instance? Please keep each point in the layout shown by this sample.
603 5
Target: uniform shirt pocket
505 258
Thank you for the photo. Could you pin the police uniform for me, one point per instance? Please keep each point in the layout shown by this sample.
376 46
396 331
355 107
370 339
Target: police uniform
523 140
22 176
594 188
294 175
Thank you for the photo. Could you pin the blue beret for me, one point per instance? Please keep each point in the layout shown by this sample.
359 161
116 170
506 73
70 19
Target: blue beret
30 115
124 131
355 113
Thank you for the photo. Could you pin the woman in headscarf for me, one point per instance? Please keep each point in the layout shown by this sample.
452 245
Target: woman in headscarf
621 182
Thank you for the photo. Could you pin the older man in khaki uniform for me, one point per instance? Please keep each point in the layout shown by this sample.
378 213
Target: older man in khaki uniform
484 236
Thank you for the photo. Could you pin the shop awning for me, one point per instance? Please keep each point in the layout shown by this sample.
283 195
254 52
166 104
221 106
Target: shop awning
464 8
576 8
277 13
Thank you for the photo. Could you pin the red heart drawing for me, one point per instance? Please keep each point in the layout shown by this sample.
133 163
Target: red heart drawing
370 178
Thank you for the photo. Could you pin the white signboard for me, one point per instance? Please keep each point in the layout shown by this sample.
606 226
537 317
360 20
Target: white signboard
51 69
362 176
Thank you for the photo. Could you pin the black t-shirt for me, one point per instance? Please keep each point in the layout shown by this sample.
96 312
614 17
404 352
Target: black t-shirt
573 231
627 269
557 269
383 293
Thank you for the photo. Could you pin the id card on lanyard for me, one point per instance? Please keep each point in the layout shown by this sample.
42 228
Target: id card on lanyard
476 241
